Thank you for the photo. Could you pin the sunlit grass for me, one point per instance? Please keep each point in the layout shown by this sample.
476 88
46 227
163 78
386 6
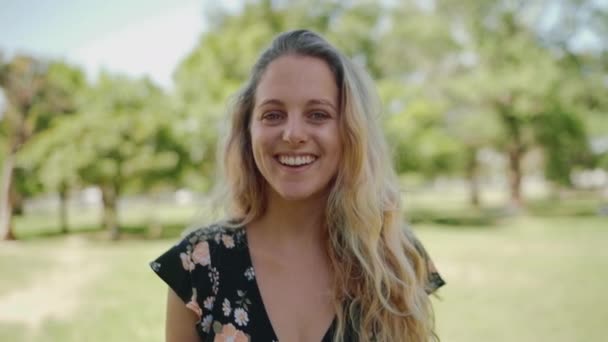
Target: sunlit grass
525 280
118 298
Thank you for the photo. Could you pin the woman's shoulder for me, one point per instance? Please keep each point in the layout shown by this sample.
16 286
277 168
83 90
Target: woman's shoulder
208 249
220 234
216 246
198 246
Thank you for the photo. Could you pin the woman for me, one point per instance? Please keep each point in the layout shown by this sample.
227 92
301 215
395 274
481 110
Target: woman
314 248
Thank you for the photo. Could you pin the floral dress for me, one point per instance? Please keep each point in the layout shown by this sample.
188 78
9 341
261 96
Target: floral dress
211 271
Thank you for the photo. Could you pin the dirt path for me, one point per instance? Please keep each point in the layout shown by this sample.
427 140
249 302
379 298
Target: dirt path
55 293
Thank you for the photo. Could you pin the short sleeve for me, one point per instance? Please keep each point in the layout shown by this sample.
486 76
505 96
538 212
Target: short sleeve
435 281
175 268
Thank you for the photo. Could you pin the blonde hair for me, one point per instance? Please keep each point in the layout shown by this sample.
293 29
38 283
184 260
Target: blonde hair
380 276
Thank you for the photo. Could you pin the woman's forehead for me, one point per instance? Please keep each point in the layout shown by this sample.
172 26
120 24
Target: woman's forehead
297 78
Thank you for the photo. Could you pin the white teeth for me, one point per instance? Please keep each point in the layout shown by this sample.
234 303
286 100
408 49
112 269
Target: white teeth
296 161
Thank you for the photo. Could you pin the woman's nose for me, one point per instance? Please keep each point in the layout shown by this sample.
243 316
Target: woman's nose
295 131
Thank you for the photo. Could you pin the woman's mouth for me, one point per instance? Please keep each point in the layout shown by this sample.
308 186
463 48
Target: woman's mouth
296 161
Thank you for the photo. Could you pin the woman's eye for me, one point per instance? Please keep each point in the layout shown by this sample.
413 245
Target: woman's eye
271 116
319 115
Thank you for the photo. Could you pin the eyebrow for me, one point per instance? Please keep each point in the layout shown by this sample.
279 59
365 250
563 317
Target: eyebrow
270 101
322 102
310 102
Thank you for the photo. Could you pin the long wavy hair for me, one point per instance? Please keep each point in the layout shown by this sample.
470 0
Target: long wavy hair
379 276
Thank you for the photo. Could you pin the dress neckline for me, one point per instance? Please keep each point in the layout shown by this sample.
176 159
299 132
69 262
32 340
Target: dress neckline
258 295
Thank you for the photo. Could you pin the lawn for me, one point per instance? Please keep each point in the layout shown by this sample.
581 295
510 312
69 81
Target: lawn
524 280
528 278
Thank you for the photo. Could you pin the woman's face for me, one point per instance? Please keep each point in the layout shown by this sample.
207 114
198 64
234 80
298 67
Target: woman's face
294 127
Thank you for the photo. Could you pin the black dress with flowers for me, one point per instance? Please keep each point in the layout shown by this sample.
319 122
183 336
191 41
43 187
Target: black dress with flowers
211 271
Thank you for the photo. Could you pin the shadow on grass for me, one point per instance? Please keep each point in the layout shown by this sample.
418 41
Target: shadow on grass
55 232
467 217
583 207
147 232
462 218
96 232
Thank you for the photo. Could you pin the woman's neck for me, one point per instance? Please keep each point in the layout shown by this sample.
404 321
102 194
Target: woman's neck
297 224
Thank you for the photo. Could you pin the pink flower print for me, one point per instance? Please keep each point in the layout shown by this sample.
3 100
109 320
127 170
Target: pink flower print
228 241
193 305
200 254
230 333
186 262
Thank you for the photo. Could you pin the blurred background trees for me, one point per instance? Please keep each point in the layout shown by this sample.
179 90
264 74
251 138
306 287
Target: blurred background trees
459 80
37 93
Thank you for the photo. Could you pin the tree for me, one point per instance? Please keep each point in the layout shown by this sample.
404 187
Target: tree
420 140
417 54
584 65
513 75
121 140
32 104
63 84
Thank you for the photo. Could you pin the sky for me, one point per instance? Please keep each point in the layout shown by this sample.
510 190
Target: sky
134 37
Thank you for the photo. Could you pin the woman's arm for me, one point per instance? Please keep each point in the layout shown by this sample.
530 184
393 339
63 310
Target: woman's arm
180 322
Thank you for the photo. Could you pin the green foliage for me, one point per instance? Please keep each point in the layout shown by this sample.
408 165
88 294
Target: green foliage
537 90
51 94
122 135
562 134
412 43
420 140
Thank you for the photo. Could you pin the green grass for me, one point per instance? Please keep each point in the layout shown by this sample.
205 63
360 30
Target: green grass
121 300
531 278
526 280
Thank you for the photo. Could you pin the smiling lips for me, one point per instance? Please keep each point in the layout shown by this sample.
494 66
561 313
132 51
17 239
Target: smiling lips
296 160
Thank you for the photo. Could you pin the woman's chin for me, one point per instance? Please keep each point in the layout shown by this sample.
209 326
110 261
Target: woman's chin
296 194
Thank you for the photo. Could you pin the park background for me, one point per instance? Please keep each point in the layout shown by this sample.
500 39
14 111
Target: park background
496 112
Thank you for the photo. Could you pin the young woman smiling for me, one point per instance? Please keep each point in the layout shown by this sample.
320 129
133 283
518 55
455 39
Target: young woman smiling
314 248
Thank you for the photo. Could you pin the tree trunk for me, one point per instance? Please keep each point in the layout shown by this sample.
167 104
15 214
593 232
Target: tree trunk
110 218
473 177
515 150
63 208
16 199
515 177
6 205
